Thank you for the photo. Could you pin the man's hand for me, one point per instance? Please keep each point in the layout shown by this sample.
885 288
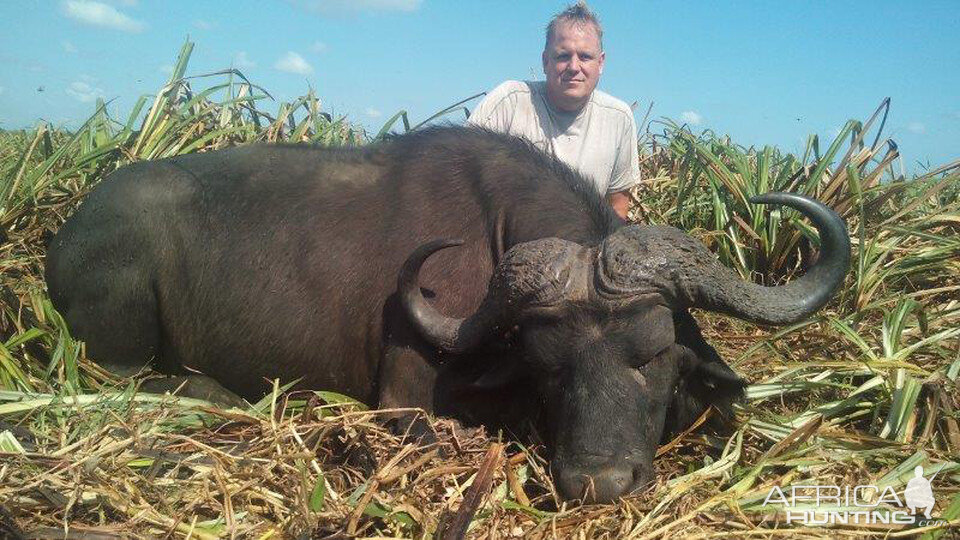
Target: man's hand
620 201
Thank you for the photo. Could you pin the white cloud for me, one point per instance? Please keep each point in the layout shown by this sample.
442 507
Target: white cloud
691 117
100 14
372 113
83 92
355 6
318 47
166 69
293 63
242 61
916 127
68 47
201 24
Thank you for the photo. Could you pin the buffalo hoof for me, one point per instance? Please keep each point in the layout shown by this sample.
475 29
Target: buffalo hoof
445 433
414 427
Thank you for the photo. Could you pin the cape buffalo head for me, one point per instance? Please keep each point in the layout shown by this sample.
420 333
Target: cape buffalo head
599 332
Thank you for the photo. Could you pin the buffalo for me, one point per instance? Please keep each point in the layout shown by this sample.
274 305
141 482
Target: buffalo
453 269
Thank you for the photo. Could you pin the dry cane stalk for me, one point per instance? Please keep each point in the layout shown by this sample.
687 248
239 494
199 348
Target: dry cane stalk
457 527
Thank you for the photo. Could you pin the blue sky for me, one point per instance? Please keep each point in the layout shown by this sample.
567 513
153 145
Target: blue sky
763 72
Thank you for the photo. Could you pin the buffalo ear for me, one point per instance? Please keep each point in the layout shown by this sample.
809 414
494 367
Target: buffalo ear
719 377
703 382
500 374
701 362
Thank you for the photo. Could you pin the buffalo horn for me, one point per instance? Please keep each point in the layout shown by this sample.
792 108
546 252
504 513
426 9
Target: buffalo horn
450 334
721 290
642 259
540 272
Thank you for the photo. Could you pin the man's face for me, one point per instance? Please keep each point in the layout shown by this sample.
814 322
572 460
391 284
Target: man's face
572 62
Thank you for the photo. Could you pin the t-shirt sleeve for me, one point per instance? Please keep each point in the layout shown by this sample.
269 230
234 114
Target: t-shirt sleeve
495 110
626 167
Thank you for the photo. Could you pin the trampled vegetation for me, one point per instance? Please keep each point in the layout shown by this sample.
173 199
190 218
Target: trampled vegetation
858 395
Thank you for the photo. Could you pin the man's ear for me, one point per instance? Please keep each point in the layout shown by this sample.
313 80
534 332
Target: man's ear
603 57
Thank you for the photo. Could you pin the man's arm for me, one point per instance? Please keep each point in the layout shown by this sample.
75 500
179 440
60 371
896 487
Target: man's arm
620 201
626 167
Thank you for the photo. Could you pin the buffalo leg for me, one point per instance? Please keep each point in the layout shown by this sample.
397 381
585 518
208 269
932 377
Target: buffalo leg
118 322
196 387
105 295
406 377
407 380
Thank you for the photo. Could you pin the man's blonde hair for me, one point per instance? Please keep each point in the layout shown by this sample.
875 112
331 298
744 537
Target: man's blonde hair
579 14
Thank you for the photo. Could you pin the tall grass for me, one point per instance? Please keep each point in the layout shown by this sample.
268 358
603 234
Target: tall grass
862 392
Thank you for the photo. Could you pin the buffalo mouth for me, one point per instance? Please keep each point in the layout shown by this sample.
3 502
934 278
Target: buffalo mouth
600 479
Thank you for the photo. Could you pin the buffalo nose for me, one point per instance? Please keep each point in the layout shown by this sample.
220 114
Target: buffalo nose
602 484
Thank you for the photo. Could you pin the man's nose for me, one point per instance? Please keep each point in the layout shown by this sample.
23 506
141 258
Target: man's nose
573 65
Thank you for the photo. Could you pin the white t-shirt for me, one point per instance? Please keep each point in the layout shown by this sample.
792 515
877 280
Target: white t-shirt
600 140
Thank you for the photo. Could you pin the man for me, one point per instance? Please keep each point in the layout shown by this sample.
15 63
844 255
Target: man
566 115
589 130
